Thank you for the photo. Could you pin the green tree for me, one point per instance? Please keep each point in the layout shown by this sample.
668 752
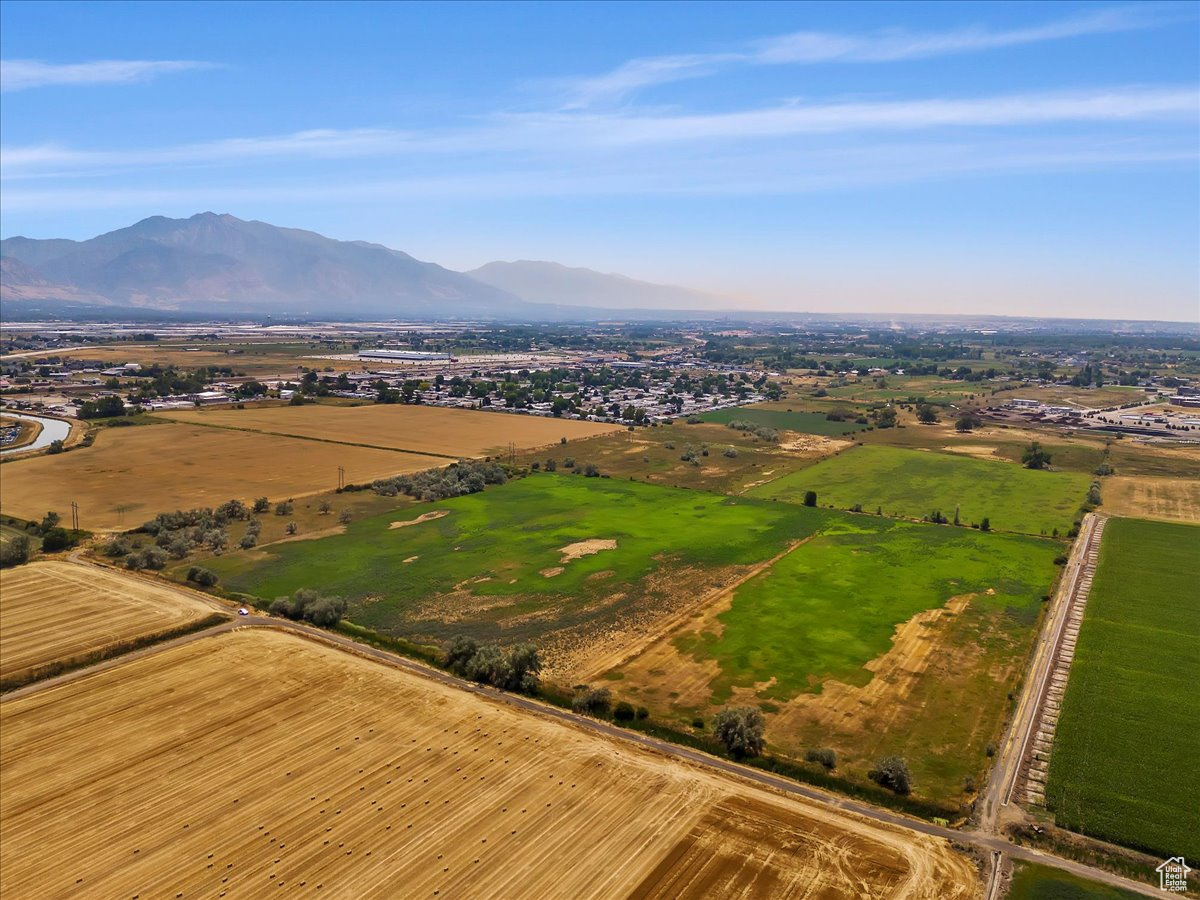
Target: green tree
1035 457
810 498
892 773
927 414
740 729
967 421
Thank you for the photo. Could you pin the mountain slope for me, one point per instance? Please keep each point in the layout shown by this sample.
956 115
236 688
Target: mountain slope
548 282
221 263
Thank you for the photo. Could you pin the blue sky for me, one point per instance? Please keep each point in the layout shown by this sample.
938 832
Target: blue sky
1017 158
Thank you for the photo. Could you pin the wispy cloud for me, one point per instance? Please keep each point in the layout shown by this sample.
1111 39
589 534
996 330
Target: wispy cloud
891 45
545 134
23 74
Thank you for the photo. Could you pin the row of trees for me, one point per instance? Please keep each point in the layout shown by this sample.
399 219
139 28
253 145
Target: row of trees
515 669
467 476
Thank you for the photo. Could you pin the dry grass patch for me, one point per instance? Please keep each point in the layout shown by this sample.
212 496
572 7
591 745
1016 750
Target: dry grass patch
257 760
1173 499
57 611
165 467
419 429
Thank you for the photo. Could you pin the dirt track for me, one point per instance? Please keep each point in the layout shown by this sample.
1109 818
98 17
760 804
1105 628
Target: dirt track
258 759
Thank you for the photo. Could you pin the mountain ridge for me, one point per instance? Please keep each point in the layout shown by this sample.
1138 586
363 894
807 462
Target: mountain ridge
218 263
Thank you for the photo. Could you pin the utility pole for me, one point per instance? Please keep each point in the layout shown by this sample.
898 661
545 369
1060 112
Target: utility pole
74 516
341 478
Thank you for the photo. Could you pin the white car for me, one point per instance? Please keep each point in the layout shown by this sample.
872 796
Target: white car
242 611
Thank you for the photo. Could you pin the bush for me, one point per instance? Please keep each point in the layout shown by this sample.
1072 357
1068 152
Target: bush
149 558
1104 469
466 476
261 505
307 604
15 552
592 701
810 498
642 713
201 576
57 538
283 508
569 462
115 548
514 670
740 729
623 712
892 773
731 452
55 447
823 755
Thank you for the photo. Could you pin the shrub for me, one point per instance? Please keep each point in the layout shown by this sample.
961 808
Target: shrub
822 755
740 729
307 604
283 508
592 701
201 576
623 712
810 498
892 773
15 552
731 452
261 505
55 539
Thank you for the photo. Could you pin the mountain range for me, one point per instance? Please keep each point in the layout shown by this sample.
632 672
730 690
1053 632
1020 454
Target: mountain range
220 265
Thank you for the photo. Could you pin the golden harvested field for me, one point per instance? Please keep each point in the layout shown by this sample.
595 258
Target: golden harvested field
260 358
259 762
57 611
420 429
153 468
1173 499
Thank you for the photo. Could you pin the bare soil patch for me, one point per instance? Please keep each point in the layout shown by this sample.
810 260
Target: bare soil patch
436 514
895 674
580 549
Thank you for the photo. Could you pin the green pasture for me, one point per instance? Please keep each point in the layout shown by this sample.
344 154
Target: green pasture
832 605
1126 759
913 483
479 569
1031 881
782 419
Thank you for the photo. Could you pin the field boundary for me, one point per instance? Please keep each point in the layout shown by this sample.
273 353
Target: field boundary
305 437
1034 767
35 674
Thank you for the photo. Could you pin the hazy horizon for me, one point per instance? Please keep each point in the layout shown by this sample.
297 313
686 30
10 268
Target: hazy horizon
982 159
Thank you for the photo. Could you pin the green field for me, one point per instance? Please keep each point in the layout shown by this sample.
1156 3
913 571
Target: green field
782 419
1034 882
912 484
829 608
479 569
833 605
1126 760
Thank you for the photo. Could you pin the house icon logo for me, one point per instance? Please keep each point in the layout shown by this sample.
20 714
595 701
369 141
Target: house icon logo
1172 875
